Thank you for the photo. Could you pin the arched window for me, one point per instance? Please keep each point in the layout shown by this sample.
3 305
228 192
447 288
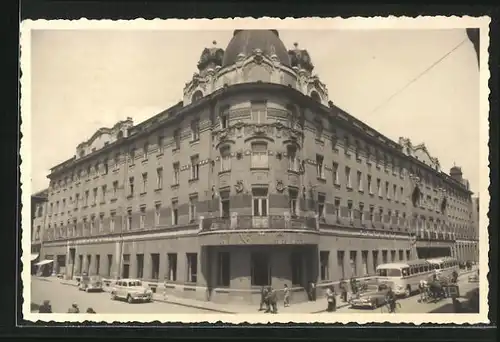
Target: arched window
315 96
293 161
196 96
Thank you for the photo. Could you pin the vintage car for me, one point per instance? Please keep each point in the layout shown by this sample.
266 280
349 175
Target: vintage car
90 283
373 298
132 290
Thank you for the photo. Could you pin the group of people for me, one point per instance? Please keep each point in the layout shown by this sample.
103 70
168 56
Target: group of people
269 299
435 287
47 308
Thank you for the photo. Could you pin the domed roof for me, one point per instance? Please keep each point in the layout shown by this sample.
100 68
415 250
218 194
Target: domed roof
245 41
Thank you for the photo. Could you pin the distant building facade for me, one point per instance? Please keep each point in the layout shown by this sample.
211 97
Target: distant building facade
38 215
255 178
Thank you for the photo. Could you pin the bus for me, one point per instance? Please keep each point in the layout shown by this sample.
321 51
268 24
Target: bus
444 266
405 276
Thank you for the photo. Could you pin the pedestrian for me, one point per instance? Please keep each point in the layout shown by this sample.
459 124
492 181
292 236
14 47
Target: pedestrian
91 311
331 299
263 299
74 308
454 277
312 291
354 288
343 290
286 299
45 307
272 300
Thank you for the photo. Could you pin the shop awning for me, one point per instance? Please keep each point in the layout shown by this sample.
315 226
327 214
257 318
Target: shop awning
34 256
44 262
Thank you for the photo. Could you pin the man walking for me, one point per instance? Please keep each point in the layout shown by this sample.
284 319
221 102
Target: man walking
263 299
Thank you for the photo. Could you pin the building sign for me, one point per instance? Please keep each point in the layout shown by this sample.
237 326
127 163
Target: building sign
264 238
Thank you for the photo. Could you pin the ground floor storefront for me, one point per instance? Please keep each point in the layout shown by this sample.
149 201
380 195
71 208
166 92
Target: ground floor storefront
231 271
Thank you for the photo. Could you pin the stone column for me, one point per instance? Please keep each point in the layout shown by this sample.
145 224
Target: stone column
202 257
69 264
359 264
370 263
116 269
133 265
147 273
347 264
85 263
55 265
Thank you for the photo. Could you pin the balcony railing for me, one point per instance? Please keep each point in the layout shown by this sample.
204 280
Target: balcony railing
272 222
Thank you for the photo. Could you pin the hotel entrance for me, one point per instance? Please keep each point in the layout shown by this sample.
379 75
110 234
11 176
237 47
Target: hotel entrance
260 269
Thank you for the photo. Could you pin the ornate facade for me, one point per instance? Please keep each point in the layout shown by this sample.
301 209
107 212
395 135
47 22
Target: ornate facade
254 178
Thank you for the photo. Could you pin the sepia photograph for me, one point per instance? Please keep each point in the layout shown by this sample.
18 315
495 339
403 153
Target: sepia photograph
255 170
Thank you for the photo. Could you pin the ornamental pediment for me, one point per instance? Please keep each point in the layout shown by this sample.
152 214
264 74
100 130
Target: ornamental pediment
419 152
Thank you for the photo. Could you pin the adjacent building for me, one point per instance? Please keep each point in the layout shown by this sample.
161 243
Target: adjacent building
254 178
38 214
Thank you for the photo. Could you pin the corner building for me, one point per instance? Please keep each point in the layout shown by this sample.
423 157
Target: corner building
254 178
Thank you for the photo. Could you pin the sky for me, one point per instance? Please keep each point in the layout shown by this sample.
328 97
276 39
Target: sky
82 80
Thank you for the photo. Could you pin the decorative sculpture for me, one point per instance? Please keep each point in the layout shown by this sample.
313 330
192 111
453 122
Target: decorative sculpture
239 186
280 186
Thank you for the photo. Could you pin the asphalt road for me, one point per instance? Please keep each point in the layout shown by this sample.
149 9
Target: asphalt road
411 304
62 296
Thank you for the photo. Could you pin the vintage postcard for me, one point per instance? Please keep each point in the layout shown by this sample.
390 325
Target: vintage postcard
255 170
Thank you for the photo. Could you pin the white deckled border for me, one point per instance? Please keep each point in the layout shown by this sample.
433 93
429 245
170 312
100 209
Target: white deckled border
354 23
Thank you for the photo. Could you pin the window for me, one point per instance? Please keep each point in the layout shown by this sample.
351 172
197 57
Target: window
375 260
348 177
129 219
260 269
401 255
259 202
145 151
112 222
94 197
381 214
142 217
193 200
195 130
324 267
319 166
259 112
225 204
293 161
346 145
115 189
337 207
389 216
369 180
177 139
225 154
321 206
259 155
92 224
358 148
176 173
63 205
353 262
319 129
372 216
387 192
192 267
132 155
110 264
157 213
101 223
379 187
175 213
224 118
364 262
160 144
224 266
362 212
103 193
155 266
360 181
140 266
195 167
97 264
172 266
131 186
144 183
117 161
340 263
159 178
292 201
335 172
350 212
402 195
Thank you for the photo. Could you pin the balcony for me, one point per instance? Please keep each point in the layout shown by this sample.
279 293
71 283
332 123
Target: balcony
251 230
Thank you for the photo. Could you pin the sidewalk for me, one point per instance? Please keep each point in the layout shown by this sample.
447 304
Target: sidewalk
302 308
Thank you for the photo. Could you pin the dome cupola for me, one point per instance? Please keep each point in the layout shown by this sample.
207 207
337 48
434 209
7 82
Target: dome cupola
244 42
211 57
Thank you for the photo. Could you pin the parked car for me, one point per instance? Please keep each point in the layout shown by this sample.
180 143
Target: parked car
90 283
371 299
132 290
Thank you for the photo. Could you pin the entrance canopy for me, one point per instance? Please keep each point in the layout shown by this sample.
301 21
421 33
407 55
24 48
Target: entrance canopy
44 262
34 256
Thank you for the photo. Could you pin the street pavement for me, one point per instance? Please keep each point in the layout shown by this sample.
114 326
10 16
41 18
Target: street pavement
62 296
63 293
